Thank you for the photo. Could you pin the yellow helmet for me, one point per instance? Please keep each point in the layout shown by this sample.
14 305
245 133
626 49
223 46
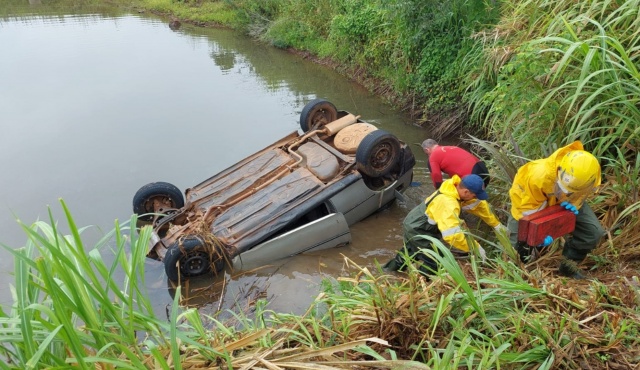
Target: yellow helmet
578 171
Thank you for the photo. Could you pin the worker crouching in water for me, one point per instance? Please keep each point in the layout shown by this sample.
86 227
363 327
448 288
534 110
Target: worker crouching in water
566 177
439 217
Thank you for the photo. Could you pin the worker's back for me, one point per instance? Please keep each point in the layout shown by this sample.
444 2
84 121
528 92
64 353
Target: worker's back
451 160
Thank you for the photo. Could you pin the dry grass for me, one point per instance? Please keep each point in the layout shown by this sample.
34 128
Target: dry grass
534 319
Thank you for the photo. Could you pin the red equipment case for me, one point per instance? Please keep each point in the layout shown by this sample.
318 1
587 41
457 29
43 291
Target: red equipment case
555 221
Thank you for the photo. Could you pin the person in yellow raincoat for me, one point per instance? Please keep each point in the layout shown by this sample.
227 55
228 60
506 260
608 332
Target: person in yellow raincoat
567 177
439 216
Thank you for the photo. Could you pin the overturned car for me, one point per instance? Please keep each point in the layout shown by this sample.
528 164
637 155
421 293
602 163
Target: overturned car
298 194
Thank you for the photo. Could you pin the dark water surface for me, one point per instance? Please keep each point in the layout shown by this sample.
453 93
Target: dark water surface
94 106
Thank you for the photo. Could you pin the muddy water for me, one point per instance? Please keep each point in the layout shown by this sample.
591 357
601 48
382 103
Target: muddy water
94 106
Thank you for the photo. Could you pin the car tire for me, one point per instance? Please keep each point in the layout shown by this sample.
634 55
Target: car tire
378 153
165 192
316 114
194 257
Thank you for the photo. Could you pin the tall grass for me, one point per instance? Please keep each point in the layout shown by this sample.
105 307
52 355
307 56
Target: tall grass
572 73
558 71
481 316
597 79
71 311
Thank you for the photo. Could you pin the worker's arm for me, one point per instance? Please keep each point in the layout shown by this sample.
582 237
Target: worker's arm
482 209
436 171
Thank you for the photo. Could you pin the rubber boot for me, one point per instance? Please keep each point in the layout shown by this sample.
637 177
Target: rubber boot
569 268
426 265
395 264
524 251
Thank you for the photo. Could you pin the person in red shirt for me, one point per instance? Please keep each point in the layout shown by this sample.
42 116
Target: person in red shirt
452 160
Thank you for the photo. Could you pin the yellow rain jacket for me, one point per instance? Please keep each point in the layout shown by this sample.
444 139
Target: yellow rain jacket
440 216
534 186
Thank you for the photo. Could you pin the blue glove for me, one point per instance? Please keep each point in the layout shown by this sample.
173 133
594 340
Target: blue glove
547 241
569 207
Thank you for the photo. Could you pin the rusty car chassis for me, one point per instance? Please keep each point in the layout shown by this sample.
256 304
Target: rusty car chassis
298 194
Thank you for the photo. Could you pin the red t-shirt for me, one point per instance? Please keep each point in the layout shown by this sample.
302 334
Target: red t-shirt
451 160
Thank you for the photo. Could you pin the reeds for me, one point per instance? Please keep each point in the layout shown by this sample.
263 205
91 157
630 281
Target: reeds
485 316
71 311
571 73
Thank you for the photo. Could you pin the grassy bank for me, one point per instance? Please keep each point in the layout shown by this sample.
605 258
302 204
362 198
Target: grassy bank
69 312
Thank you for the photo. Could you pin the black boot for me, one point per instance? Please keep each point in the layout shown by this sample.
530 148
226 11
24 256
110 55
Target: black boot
570 269
426 265
397 263
524 251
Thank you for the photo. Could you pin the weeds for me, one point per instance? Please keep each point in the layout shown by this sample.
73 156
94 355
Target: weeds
69 311
492 316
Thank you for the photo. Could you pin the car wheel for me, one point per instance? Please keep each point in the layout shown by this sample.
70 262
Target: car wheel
316 114
191 257
156 197
377 153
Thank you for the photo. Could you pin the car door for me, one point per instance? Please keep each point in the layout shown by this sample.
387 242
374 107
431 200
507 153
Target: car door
327 232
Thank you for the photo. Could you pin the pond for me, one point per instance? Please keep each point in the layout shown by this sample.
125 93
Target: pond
97 104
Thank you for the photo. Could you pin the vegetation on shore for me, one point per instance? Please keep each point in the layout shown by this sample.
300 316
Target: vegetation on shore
69 312
527 76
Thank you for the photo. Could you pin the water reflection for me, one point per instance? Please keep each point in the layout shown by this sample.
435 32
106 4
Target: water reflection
229 290
239 290
224 59
16 9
